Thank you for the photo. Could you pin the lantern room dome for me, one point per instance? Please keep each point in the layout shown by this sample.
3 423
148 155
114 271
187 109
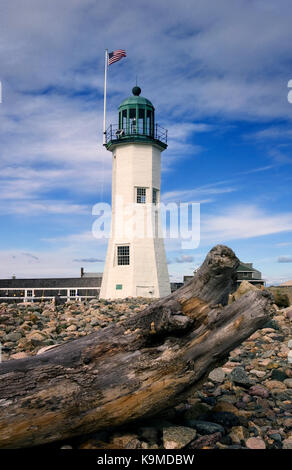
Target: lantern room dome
136 99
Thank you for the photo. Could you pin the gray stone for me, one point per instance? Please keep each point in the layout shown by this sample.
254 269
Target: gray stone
276 437
287 443
217 375
177 437
239 376
206 427
288 383
15 336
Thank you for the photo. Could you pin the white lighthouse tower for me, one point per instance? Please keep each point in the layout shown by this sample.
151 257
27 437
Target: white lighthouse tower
135 263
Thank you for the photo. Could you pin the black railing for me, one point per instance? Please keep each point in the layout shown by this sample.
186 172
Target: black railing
114 133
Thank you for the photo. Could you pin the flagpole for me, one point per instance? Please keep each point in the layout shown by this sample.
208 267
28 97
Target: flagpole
104 99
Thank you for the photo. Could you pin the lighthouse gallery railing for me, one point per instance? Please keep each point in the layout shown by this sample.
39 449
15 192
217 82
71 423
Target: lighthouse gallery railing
114 133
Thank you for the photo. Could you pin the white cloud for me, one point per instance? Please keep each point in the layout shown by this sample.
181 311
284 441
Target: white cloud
241 222
33 208
197 194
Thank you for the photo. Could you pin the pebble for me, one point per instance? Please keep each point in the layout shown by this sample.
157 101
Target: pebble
255 443
258 373
177 437
259 391
287 443
275 384
223 405
239 376
288 383
238 434
217 375
205 442
205 427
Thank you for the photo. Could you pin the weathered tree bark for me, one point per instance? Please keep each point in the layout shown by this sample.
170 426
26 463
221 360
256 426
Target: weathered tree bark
133 369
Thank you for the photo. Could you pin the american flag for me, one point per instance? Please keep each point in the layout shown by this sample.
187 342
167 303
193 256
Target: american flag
115 56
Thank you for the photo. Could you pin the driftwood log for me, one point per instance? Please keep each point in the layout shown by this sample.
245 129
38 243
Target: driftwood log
133 369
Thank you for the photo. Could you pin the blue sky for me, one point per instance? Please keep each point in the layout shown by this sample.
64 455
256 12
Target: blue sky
217 74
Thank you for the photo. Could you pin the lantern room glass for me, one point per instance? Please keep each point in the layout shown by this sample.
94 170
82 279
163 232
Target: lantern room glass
137 120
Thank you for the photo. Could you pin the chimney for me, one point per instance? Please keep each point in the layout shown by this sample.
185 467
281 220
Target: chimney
81 272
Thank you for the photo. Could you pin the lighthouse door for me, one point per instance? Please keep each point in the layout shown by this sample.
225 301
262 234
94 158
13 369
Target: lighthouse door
145 291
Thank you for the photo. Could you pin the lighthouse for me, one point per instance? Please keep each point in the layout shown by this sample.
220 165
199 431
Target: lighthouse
136 263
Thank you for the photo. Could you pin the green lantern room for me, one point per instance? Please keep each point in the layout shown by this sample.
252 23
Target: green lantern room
136 123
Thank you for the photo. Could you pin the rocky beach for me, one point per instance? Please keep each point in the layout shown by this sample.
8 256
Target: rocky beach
244 403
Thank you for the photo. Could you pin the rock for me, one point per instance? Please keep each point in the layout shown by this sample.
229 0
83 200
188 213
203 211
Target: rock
93 444
289 314
223 405
205 441
224 418
133 444
254 428
217 375
272 365
14 337
20 355
231 364
148 433
239 376
259 391
287 443
36 338
206 427
278 375
71 328
275 384
255 443
209 400
177 437
246 398
197 410
238 434
258 373
288 422
275 436
273 324
288 383
243 288
120 441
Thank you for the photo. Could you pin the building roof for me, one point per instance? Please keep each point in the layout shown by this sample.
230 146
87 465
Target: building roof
54 283
246 268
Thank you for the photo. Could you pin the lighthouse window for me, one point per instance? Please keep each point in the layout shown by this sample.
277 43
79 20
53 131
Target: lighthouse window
141 195
149 124
141 121
133 123
123 255
124 119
